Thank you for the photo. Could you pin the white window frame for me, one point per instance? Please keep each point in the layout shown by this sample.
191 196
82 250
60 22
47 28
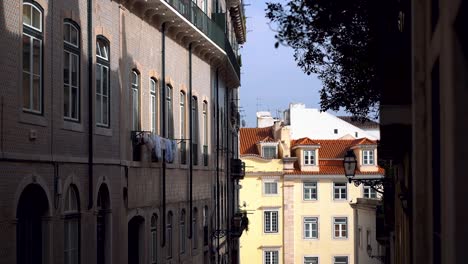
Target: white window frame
340 188
270 254
311 261
309 158
368 157
369 192
182 114
71 53
31 107
304 188
269 146
102 62
135 89
341 262
309 221
269 181
154 104
71 223
268 228
338 221
40 20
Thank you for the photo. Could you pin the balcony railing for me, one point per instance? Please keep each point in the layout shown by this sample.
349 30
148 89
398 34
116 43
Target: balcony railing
196 16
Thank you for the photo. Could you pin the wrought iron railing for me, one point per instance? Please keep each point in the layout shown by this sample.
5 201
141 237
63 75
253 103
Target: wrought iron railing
213 30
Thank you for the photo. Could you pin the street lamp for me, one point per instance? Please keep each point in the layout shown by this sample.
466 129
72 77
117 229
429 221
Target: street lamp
350 165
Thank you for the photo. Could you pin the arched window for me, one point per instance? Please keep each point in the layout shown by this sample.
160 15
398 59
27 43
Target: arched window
182 233
154 239
194 228
71 71
72 226
169 113
205 133
102 82
183 153
169 235
195 130
135 86
154 105
32 57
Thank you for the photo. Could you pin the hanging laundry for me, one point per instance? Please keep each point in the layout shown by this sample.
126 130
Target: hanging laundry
168 147
148 141
157 145
174 149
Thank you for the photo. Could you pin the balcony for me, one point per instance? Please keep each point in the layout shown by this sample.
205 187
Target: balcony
187 23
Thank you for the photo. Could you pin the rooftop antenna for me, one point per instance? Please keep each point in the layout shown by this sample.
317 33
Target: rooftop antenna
258 103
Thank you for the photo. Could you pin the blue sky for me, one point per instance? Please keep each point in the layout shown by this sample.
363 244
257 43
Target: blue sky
271 78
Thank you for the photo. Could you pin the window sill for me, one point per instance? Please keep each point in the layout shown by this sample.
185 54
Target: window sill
72 126
32 119
310 200
103 131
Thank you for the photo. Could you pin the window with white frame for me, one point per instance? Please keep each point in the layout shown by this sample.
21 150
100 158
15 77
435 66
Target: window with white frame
169 133
195 130
154 240
271 257
340 191
310 227
72 226
102 82
270 219
368 157
270 187
340 260
205 133
311 260
340 227
309 157
71 72
183 129
32 58
369 192
310 190
154 105
269 152
135 85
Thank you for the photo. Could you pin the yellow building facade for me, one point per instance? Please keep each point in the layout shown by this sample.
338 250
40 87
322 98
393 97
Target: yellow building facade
298 198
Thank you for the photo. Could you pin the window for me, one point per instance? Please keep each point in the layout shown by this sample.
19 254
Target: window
205 225
270 187
340 227
368 238
335 131
310 227
369 192
154 240
154 105
183 152
195 229
135 100
339 191
310 191
205 133
72 227
269 152
309 157
368 157
182 232
311 260
359 237
169 114
271 256
71 72
102 83
195 130
169 235
271 221
340 260
32 58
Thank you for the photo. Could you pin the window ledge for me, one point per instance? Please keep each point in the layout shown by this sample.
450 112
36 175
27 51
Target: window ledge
72 126
103 131
32 119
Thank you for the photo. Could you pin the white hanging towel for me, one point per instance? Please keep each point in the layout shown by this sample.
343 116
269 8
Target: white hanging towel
157 146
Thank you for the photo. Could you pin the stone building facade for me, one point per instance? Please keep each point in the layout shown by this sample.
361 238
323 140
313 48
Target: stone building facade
84 83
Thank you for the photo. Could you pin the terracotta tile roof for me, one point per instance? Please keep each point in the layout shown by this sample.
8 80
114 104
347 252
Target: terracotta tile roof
365 124
333 170
249 137
303 142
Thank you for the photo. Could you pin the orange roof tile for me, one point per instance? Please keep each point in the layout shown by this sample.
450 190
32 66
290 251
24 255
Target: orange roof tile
249 137
305 141
333 148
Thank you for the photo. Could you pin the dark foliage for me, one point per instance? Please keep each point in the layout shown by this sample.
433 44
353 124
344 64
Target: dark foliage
334 39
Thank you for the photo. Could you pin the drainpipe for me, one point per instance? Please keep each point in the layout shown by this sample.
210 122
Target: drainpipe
163 127
90 105
218 220
226 170
191 141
